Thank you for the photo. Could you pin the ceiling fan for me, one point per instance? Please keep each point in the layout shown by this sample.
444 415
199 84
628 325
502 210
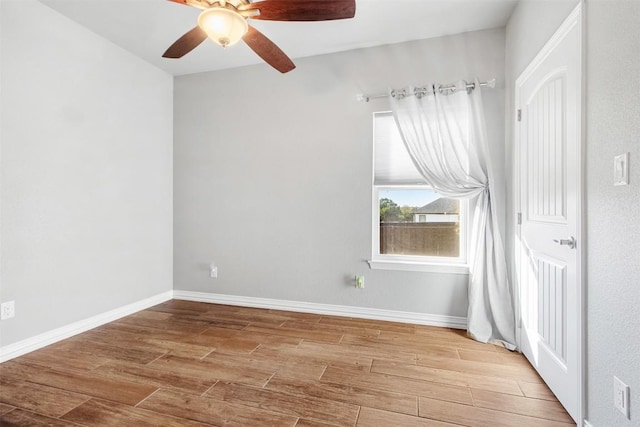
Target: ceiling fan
225 22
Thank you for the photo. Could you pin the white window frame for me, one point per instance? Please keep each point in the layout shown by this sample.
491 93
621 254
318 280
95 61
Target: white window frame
378 261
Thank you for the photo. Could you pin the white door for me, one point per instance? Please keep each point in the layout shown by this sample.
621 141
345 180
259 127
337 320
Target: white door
548 140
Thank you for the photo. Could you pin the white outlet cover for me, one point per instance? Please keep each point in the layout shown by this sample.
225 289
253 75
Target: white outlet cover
621 397
7 310
621 169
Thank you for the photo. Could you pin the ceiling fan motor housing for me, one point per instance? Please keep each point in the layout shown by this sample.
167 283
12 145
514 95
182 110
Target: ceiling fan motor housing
223 25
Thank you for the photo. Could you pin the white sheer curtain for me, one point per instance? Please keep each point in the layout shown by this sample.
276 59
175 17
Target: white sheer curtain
445 135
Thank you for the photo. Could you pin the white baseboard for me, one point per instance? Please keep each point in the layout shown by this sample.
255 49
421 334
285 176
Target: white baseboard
586 423
30 344
327 309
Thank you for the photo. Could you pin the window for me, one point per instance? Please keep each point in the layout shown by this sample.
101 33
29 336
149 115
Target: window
414 228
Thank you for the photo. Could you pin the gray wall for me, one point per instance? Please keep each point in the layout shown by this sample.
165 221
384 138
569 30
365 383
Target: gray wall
613 221
613 231
273 174
86 173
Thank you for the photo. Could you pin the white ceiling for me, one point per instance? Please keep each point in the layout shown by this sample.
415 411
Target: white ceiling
148 27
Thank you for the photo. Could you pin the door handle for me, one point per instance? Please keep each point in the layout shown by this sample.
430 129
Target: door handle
571 242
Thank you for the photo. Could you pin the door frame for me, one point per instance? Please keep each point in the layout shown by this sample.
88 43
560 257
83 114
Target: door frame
576 17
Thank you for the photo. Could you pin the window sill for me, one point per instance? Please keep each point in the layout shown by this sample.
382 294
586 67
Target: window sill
418 266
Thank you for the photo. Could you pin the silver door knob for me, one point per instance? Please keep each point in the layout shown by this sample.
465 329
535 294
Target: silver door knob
571 242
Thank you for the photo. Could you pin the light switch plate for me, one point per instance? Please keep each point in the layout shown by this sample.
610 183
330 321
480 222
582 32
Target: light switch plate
621 169
621 397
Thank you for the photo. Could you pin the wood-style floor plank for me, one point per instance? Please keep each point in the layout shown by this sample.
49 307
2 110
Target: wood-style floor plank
159 343
548 409
355 351
311 355
159 378
190 363
94 385
39 398
322 336
444 376
269 360
354 377
339 329
189 307
215 369
426 349
361 396
370 417
252 316
113 350
100 413
60 358
509 372
253 336
417 340
213 411
367 323
19 417
180 326
479 417
21 369
308 407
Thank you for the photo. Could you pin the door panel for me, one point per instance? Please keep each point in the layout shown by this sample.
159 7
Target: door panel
544 115
548 140
552 306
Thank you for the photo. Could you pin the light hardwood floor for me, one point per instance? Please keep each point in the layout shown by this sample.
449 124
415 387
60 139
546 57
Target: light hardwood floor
187 363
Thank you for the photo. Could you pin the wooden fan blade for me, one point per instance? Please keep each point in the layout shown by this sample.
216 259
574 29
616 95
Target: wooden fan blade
303 10
267 50
185 44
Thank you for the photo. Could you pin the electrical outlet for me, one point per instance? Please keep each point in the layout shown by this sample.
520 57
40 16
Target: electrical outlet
621 397
360 282
213 271
8 310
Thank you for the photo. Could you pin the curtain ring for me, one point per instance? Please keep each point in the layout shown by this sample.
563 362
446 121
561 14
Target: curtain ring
447 90
470 87
418 92
399 94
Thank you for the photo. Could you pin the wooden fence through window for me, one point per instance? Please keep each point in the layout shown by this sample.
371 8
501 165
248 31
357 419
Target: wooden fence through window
420 238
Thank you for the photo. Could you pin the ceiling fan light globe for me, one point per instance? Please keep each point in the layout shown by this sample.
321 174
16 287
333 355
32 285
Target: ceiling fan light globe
224 26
